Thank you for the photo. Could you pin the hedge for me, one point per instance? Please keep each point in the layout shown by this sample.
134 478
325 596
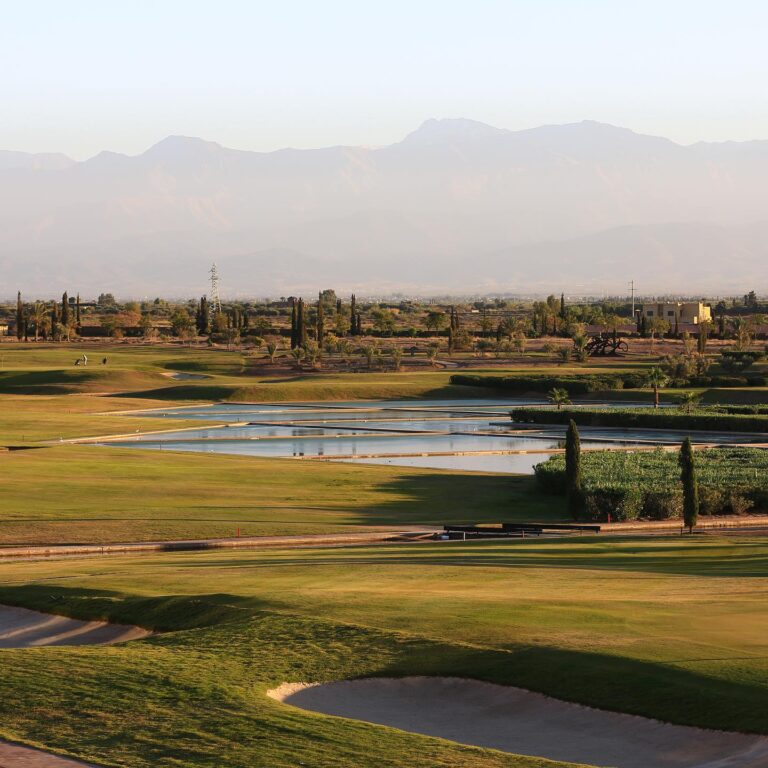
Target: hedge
576 385
644 418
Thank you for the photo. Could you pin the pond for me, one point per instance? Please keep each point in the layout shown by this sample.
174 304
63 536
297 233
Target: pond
471 434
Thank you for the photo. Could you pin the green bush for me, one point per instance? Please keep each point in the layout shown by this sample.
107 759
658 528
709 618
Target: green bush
712 501
663 505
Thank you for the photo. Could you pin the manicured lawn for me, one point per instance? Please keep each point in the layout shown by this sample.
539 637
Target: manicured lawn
672 628
71 493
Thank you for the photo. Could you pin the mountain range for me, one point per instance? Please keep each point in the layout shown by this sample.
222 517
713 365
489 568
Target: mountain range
456 207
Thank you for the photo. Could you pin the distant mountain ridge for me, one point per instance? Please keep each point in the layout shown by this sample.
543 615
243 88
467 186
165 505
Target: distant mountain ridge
457 206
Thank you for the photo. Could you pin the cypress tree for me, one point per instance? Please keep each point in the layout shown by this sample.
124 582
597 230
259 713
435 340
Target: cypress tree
354 329
320 320
677 328
562 306
301 325
64 309
294 343
19 317
573 471
690 485
77 309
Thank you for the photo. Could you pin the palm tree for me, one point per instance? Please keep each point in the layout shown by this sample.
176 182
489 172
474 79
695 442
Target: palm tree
39 314
656 379
369 352
559 397
271 351
297 353
688 400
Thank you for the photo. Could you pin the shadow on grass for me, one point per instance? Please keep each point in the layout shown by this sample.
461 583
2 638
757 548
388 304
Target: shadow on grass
313 648
163 614
454 497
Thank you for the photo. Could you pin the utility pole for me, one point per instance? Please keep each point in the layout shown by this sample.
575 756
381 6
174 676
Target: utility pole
632 294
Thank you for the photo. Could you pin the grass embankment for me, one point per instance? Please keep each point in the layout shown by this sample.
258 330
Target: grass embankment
707 419
674 629
85 494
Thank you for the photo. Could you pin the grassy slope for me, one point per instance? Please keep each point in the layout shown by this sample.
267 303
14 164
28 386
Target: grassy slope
644 626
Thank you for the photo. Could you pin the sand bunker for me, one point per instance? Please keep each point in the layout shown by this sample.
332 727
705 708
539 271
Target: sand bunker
25 757
22 628
518 721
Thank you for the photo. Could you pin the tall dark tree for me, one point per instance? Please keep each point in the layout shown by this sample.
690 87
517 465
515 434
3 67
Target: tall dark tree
294 325
320 322
203 316
301 325
701 344
562 306
64 309
77 310
573 489
690 484
354 328
19 317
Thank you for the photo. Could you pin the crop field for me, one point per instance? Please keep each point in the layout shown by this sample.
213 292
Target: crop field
724 468
642 626
625 486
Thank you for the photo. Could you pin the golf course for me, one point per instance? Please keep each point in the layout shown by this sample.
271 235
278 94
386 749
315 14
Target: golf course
666 629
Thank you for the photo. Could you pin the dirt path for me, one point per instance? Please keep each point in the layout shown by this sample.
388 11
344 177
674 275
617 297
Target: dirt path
521 722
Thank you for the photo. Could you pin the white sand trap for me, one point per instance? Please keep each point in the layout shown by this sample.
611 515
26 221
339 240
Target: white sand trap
22 628
25 757
525 723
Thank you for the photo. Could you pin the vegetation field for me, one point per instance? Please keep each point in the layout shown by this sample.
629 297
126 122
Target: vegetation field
627 485
635 625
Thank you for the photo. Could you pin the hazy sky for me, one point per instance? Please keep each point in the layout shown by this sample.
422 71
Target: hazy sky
85 75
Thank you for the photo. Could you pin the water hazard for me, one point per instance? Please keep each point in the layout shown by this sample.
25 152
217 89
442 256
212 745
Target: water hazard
470 435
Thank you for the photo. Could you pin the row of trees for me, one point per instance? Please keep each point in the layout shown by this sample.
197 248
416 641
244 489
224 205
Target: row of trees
47 320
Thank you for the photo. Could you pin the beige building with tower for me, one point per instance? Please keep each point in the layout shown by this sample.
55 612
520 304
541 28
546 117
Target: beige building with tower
685 312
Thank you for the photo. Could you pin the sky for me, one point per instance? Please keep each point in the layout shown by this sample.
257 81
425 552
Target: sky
82 76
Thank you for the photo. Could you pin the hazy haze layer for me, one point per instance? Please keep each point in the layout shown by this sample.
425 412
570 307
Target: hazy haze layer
457 206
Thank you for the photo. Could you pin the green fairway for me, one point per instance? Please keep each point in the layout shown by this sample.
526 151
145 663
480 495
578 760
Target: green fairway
638 625
71 493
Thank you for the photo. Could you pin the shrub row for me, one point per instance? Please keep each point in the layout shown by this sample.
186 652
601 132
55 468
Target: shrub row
576 385
644 418
625 486
588 383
